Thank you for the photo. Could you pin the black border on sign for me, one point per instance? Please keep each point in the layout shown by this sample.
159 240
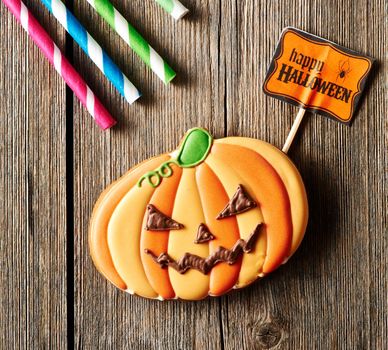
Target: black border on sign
317 40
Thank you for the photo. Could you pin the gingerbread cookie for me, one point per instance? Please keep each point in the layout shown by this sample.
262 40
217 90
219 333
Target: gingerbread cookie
211 216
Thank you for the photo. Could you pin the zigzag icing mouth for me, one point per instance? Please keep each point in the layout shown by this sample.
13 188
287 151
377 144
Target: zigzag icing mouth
204 265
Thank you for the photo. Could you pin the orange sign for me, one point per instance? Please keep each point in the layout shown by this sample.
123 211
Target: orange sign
316 74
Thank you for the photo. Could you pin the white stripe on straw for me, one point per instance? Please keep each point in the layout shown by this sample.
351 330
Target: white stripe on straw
178 10
57 60
24 16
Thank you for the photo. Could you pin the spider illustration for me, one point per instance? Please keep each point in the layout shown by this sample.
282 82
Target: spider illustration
343 70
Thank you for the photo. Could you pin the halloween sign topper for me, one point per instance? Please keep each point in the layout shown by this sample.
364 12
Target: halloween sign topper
211 216
317 75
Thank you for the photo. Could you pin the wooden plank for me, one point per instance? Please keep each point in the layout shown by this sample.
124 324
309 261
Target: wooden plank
332 293
376 163
32 190
105 316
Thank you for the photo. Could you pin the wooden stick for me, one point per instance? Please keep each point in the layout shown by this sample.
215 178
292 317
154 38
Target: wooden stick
294 130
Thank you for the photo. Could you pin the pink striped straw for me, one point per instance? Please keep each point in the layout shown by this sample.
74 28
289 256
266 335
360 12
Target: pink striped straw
61 64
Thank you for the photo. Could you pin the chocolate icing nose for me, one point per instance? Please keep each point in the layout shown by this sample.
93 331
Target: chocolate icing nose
203 234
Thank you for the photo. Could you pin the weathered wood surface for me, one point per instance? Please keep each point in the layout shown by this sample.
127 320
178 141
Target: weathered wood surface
333 292
33 241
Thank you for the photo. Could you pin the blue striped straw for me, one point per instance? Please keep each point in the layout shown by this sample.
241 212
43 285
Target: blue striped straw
92 49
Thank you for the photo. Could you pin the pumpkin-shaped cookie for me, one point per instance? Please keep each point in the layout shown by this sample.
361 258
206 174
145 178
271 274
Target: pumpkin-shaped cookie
211 216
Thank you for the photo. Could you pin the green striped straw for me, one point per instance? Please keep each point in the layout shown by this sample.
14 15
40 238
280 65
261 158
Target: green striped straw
173 7
133 38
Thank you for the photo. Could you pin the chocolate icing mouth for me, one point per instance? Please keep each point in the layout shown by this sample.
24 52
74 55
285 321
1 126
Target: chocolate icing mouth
204 265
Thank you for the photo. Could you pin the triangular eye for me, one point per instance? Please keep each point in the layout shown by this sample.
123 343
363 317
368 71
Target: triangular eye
203 234
157 221
240 202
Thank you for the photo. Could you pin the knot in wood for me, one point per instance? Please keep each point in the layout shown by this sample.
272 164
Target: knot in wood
268 335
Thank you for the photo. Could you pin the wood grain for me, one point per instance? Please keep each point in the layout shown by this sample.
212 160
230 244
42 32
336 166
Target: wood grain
32 191
333 292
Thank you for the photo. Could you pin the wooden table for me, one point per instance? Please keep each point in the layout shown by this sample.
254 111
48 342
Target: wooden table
55 162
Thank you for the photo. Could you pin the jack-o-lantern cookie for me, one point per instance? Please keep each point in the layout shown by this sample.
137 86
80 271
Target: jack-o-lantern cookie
211 216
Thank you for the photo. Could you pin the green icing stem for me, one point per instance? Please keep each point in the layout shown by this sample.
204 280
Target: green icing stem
195 147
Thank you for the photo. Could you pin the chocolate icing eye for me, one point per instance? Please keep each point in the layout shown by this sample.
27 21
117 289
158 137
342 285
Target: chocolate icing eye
240 202
157 221
203 234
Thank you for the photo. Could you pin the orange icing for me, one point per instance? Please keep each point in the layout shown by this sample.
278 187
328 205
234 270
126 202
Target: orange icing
271 195
213 198
124 232
157 241
290 177
192 285
252 263
102 213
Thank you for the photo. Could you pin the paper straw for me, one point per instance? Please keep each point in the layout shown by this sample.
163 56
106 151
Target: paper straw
174 8
132 37
61 64
92 49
